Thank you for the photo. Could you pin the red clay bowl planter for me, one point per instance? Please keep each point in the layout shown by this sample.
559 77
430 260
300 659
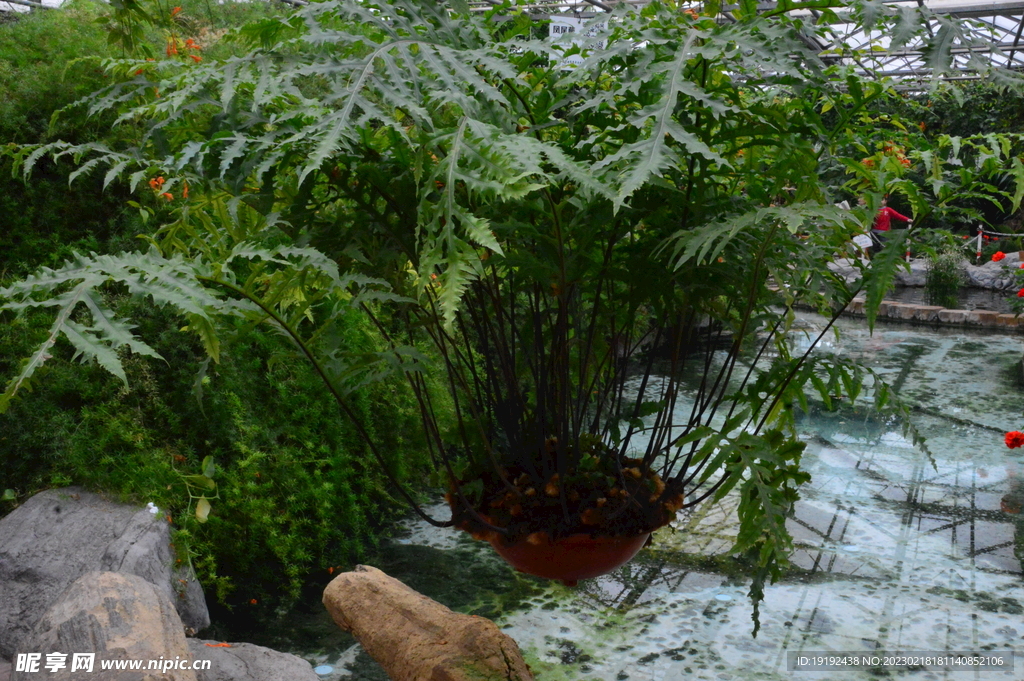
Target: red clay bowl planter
572 558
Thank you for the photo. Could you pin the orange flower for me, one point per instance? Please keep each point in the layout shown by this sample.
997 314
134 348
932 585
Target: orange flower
184 195
156 182
175 12
196 58
168 196
192 44
253 602
172 49
139 72
922 126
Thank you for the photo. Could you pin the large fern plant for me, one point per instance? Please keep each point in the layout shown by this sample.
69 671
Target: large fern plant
602 260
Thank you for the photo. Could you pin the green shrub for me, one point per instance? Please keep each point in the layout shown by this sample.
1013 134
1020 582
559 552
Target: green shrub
292 496
945 276
48 61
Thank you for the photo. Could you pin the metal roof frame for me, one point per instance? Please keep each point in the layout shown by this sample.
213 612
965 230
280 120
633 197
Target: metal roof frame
993 35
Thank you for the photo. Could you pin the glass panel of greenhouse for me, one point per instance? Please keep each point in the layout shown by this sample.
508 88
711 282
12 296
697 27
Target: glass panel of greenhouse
989 34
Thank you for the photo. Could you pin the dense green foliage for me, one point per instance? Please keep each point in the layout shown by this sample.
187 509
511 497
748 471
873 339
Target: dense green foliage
954 123
447 177
292 496
48 61
42 221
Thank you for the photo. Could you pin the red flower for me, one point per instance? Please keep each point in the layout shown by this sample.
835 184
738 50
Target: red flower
997 256
139 72
196 58
1014 439
175 12
1020 293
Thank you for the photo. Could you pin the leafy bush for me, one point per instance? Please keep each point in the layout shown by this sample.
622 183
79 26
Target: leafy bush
42 221
945 276
292 496
48 61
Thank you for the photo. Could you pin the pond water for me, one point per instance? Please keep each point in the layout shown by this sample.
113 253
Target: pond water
896 551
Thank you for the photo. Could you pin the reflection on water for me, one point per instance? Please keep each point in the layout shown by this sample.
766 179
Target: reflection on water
894 552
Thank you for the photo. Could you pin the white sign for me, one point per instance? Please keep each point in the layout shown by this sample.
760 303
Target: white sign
581 36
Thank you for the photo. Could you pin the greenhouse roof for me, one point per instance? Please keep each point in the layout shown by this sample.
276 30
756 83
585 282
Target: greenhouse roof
990 34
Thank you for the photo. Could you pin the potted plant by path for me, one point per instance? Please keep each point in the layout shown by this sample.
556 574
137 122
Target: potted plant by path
598 261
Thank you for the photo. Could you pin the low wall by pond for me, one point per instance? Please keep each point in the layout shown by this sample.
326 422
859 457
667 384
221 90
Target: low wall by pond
933 314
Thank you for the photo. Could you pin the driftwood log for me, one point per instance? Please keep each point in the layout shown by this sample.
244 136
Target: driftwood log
417 639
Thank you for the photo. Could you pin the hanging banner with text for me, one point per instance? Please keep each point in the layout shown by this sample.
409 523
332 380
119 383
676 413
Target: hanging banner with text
587 38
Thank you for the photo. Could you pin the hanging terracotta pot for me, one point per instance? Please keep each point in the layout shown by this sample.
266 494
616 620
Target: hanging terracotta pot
569 559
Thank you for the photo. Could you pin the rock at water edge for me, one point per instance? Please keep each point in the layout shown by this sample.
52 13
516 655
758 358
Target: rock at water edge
58 535
248 662
415 638
118 617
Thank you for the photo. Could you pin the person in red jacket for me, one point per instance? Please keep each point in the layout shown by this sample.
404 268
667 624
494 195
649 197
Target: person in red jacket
882 222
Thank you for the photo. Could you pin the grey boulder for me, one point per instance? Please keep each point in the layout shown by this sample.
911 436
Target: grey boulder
994 275
59 535
116 617
248 662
